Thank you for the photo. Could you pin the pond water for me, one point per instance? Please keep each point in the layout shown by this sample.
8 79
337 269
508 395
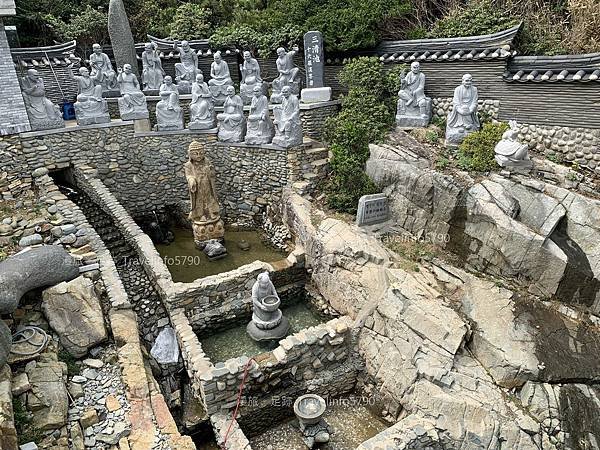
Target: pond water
235 342
186 263
350 420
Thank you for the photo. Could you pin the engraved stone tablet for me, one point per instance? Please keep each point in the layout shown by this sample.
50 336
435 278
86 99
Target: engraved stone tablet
372 209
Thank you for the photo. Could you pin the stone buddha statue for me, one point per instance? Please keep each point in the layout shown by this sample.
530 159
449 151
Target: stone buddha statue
259 126
414 108
91 110
232 125
250 71
85 83
202 111
205 210
102 69
152 70
220 79
289 75
268 322
463 119
132 103
510 152
288 128
169 115
42 113
187 67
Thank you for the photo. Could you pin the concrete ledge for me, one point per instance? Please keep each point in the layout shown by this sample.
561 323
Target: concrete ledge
170 133
73 128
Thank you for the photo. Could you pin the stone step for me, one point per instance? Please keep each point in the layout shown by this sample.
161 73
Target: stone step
320 163
316 150
310 176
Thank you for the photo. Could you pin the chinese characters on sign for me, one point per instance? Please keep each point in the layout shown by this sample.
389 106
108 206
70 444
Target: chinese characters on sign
313 59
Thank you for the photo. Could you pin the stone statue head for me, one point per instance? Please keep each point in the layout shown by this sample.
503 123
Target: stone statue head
217 57
127 68
185 45
415 67
196 152
467 80
247 55
33 74
199 78
168 80
286 91
97 48
84 72
263 279
280 51
148 47
230 91
257 90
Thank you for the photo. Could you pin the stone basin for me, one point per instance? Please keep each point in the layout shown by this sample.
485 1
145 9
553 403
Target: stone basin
271 303
309 408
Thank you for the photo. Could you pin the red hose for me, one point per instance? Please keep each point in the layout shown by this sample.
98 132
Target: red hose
237 405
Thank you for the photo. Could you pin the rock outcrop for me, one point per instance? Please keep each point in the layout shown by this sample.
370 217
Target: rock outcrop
8 433
48 397
73 311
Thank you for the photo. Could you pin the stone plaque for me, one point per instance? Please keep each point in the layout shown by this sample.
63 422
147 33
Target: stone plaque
372 209
314 59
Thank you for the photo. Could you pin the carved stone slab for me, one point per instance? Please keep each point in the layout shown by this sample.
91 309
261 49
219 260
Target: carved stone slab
372 209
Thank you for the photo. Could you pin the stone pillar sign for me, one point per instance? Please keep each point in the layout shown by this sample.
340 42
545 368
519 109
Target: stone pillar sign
314 62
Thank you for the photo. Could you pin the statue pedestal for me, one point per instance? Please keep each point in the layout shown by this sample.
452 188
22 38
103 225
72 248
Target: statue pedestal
207 230
279 332
141 125
414 116
315 95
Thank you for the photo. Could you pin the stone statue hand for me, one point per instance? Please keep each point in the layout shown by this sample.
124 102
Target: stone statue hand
119 69
193 185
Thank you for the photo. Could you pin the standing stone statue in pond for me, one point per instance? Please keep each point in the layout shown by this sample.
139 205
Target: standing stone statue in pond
463 119
232 125
152 70
268 322
510 152
187 69
132 103
288 128
250 71
260 128
289 75
205 210
42 113
202 111
414 108
102 69
169 115
220 79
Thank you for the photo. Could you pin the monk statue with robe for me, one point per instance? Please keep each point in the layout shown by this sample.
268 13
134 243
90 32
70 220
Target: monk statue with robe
414 108
205 210
260 128
250 71
85 83
102 69
202 111
220 79
288 75
187 67
132 103
42 113
463 119
152 72
169 115
232 124
288 128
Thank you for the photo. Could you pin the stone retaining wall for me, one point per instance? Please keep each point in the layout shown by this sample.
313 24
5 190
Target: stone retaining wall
443 106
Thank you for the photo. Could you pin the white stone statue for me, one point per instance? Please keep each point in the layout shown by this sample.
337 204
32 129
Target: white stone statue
202 111
288 127
510 152
169 115
187 69
91 110
268 322
152 70
260 127
250 71
463 119
85 83
414 108
102 69
232 124
42 113
220 79
289 75
132 103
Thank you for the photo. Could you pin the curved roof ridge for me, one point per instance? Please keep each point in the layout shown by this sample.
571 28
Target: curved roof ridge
61 49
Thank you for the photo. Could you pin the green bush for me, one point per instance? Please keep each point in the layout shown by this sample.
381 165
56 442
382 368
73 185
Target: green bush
476 152
258 42
88 27
365 117
190 21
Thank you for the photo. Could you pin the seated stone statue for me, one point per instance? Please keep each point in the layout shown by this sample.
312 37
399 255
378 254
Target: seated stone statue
169 115
152 72
91 110
262 287
289 75
288 128
232 124
102 70
510 152
132 103
268 322
187 69
85 83
202 111
260 128
220 79
463 119
250 71
42 113
414 108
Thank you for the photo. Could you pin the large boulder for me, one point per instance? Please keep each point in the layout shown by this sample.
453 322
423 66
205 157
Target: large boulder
73 311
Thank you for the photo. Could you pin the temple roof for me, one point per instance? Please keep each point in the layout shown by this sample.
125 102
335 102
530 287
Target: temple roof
167 51
561 68
489 46
58 55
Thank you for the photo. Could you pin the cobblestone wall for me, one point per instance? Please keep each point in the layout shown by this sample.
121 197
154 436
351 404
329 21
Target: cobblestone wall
443 106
